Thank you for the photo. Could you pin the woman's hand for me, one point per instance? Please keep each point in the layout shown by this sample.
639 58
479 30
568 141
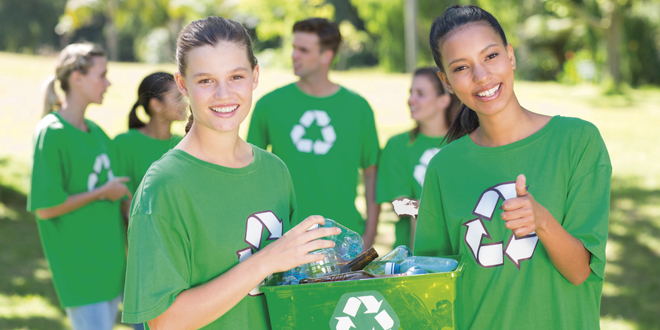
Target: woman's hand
115 189
292 249
523 214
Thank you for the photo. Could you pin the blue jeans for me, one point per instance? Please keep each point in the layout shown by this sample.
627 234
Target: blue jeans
98 316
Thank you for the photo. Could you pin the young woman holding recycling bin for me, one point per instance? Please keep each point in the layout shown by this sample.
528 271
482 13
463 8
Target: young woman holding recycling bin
522 197
211 219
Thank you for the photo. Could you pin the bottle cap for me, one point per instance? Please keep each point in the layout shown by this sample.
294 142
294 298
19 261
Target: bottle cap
391 268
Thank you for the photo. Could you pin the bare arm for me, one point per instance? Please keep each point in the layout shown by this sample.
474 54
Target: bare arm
199 306
523 215
373 208
111 190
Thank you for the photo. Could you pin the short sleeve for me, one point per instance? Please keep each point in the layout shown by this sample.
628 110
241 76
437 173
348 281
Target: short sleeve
431 235
158 268
393 178
588 199
47 185
258 131
370 145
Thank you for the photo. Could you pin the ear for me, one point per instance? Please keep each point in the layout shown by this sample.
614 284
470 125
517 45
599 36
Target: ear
155 105
445 81
255 77
327 56
181 83
512 56
443 101
75 78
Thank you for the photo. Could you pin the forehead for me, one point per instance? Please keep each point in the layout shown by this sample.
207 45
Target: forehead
99 63
224 56
306 39
422 82
469 39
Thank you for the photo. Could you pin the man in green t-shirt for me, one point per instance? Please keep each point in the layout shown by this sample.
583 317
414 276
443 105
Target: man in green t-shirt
323 132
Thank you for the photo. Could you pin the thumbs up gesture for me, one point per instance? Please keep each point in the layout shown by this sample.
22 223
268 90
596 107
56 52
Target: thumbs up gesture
523 215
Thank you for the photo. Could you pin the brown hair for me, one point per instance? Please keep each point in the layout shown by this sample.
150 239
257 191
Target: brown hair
328 32
74 57
152 86
210 31
454 104
454 17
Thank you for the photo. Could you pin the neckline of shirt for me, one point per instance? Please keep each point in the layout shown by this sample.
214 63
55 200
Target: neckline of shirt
68 124
468 144
253 166
341 88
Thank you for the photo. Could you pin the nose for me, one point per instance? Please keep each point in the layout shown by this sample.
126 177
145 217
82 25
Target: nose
411 100
481 74
222 91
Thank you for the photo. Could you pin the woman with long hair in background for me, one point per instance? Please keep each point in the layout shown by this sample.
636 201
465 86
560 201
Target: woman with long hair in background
405 157
75 193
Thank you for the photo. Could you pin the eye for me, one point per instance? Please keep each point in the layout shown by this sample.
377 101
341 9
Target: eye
459 68
237 77
492 56
204 81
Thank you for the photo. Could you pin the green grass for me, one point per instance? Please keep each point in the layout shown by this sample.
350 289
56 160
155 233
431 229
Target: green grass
629 125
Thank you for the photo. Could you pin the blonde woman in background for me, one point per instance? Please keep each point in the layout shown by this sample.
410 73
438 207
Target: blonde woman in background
75 194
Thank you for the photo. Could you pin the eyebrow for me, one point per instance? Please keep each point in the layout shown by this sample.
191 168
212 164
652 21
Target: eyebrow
240 68
481 52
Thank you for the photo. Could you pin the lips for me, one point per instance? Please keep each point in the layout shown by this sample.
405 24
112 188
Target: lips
489 94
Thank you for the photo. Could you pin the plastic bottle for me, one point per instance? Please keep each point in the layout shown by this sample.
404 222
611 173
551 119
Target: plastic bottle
399 253
328 266
361 261
429 264
348 244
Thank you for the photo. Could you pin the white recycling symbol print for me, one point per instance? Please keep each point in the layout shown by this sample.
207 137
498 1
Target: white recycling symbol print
492 254
320 147
254 227
376 313
420 169
102 162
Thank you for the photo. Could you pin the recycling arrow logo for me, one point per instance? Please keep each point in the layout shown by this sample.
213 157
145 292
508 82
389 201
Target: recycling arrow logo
492 254
366 310
420 169
102 162
321 146
254 227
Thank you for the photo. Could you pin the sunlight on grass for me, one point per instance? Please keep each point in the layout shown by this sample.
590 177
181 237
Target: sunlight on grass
7 213
25 307
609 323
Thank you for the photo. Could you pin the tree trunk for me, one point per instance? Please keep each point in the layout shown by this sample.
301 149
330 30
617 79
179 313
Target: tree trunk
613 41
410 18
111 38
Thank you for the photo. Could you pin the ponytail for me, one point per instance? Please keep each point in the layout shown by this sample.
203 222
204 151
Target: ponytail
133 120
190 121
50 97
465 123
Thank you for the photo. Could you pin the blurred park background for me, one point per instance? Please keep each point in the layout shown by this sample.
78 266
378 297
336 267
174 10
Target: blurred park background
594 59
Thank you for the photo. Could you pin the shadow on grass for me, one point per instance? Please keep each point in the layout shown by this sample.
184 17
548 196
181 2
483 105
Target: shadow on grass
633 287
24 268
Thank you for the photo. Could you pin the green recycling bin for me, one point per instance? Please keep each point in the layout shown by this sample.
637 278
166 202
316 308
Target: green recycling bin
420 302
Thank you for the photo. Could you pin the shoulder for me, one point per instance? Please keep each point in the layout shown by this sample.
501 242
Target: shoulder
353 96
49 123
96 129
125 137
576 126
269 159
277 94
398 141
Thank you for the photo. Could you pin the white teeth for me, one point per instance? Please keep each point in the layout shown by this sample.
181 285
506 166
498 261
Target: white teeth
225 109
490 92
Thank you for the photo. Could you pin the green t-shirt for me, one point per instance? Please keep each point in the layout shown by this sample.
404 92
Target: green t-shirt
191 221
401 172
85 248
323 141
136 152
511 283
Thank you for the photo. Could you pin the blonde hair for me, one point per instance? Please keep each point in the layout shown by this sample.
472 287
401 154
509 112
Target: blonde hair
74 57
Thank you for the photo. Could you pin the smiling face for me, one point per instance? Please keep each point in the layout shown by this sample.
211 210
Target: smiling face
219 82
424 102
478 67
94 83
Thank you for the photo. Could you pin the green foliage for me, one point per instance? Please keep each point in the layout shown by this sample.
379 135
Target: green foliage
28 25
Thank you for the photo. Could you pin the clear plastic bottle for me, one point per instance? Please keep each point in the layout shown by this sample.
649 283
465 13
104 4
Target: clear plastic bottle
377 267
348 244
327 266
429 264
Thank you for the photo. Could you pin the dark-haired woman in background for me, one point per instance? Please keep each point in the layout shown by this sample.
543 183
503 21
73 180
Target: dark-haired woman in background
405 157
522 197
144 143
